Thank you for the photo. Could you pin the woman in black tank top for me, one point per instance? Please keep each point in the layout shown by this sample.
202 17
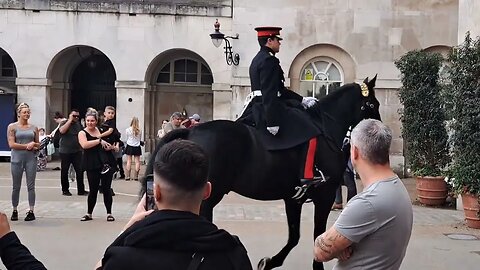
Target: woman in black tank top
92 164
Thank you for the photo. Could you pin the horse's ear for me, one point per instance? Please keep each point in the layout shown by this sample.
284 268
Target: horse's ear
371 84
365 81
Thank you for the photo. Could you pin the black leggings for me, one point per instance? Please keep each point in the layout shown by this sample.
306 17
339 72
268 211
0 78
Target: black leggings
94 180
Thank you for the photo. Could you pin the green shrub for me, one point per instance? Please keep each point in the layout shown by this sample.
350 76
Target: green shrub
423 116
465 93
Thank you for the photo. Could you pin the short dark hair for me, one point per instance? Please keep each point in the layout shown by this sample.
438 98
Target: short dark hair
75 110
58 115
182 164
263 40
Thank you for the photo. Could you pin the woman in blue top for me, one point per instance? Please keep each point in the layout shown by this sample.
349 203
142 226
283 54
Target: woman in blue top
23 141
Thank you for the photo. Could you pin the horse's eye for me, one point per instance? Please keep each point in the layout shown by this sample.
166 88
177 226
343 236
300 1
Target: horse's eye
371 105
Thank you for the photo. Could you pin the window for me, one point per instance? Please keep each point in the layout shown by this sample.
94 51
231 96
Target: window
185 71
320 77
7 66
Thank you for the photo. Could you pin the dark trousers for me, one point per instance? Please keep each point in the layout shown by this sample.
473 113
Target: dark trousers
76 160
349 181
120 166
95 180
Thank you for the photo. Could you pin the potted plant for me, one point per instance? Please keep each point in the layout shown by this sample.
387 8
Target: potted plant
465 92
423 124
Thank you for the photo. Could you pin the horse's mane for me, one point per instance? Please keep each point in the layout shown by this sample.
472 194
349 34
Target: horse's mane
330 99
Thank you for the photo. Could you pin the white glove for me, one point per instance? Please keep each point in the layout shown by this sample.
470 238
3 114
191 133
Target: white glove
273 130
308 102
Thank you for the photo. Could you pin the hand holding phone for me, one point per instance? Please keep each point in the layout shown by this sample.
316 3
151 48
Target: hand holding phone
149 197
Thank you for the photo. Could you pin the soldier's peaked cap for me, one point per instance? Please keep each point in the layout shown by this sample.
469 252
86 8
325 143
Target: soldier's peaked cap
268 31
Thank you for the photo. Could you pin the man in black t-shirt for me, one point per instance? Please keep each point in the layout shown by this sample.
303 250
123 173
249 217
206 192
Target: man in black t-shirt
71 153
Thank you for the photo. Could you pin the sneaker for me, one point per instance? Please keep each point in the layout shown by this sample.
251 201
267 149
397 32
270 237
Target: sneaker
84 193
30 216
105 169
66 193
14 215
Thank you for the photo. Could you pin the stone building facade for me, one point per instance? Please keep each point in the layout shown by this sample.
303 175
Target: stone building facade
152 57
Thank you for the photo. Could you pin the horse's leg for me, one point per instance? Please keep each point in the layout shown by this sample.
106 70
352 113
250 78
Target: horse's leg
294 211
323 201
206 209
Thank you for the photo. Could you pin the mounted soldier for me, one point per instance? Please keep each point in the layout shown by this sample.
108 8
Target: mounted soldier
277 112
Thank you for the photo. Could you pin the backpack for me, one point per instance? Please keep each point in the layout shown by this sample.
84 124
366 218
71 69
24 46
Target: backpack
56 139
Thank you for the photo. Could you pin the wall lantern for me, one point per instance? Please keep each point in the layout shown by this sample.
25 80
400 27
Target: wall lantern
218 37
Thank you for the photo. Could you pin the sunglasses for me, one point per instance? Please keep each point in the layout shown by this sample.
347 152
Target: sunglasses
76 116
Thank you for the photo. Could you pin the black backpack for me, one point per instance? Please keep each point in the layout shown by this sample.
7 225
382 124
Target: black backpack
56 139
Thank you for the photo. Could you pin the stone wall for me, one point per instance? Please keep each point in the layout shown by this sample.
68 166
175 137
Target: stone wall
218 8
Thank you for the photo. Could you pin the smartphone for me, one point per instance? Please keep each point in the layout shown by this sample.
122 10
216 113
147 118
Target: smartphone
150 199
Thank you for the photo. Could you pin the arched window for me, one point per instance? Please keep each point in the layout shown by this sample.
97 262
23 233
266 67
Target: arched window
7 67
185 71
320 77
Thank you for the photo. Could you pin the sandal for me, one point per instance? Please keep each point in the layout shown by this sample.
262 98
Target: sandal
110 218
86 218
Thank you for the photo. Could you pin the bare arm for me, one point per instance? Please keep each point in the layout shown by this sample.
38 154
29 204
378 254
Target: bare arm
63 129
86 144
106 133
11 139
331 244
36 140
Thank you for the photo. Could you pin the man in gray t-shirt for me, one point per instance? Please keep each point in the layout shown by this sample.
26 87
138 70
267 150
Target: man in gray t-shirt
373 230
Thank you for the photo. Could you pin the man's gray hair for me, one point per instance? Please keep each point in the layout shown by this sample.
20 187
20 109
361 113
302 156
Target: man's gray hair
373 139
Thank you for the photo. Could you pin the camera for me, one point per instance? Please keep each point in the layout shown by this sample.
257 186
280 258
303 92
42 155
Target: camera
149 197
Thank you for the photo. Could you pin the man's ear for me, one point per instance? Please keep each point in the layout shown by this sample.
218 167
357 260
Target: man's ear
354 154
157 192
207 190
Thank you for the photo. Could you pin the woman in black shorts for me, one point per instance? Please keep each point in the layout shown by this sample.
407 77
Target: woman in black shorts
133 149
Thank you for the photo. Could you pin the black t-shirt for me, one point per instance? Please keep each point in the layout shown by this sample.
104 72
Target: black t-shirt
115 136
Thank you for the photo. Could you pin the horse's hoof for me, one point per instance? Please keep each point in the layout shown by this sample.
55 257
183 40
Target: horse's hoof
262 264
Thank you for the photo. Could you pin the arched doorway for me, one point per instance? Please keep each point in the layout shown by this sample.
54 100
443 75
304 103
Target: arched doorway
179 81
8 73
93 84
82 77
8 90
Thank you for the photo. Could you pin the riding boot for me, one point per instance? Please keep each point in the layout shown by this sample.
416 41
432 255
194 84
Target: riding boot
308 178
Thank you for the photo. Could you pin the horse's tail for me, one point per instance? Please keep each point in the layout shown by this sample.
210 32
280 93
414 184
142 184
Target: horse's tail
173 135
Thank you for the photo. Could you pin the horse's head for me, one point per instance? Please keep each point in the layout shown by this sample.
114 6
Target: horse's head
369 105
345 107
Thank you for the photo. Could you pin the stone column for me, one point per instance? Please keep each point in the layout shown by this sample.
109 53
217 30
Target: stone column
36 93
222 101
130 103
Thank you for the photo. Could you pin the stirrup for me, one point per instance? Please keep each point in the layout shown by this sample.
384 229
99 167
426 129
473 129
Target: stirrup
308 184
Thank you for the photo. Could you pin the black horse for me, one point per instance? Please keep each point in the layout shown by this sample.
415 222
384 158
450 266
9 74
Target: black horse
239 162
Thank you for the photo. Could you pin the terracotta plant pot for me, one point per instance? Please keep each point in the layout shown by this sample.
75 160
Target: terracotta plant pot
431 190
471 208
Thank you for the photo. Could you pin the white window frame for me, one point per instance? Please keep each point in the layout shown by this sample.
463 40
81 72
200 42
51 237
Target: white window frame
327 82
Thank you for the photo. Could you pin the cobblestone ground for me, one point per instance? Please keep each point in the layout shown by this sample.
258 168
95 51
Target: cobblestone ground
58 233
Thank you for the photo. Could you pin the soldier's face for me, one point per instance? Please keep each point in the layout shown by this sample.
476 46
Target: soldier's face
274 44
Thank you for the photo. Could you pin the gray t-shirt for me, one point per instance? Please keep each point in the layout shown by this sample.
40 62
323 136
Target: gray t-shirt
379 223
69 140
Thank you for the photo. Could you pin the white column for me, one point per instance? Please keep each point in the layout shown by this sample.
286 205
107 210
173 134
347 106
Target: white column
130 103
36 93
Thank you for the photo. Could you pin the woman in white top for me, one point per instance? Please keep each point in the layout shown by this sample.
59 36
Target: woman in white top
133 149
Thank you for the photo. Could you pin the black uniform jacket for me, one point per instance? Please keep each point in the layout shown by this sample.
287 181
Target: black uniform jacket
16 256
277 106
167 240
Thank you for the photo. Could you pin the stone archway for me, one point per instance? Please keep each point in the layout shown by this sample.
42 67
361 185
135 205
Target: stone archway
8 73
178 80
8 90
81 77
